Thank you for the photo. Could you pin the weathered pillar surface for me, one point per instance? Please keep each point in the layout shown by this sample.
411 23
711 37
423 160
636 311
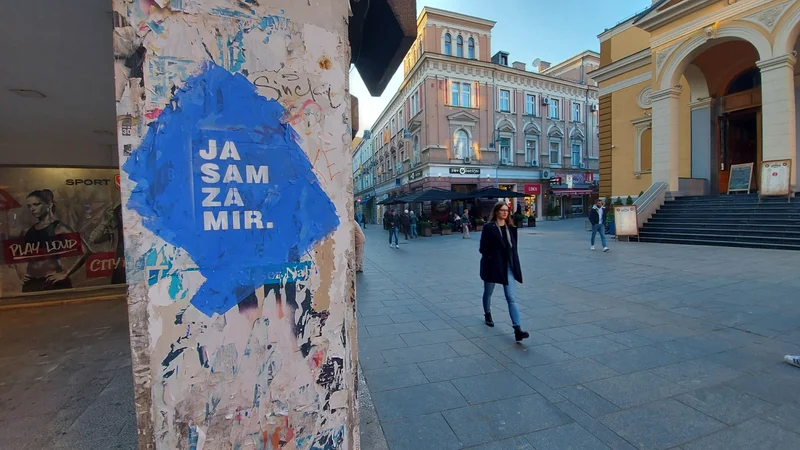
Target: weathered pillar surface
779 128
665 137
233 124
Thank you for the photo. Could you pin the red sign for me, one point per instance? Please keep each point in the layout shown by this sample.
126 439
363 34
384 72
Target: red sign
100 265
533 189
21 251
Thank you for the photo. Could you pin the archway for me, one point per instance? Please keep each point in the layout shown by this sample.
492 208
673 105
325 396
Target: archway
713 126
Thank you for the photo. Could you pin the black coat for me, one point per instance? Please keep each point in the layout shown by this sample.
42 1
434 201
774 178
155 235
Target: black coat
594 216
495 257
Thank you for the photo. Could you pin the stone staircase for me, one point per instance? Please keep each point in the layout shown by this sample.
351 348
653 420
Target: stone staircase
727 220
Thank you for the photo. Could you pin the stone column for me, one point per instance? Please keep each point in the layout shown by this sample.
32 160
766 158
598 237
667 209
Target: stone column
779 129
665 137
234 137
701 141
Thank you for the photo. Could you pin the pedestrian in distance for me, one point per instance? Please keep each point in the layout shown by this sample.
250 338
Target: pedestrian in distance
465 224
392 222
360 241
597 218
500 265
405 222
386 219
414 232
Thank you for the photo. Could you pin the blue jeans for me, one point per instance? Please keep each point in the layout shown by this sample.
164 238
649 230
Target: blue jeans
414 232
513 310
393 234
598 228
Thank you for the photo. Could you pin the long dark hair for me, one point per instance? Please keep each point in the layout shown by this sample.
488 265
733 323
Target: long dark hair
496 210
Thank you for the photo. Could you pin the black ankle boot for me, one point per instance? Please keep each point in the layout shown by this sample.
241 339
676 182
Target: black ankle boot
489 321
520 335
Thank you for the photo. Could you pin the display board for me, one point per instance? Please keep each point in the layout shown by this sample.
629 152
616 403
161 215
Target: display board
775 178
741 178
625 221
60 228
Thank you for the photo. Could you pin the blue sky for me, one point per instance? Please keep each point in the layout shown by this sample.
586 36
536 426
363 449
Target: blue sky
528 29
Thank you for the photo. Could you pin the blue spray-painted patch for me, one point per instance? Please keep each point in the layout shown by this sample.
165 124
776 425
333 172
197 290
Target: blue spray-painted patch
221 176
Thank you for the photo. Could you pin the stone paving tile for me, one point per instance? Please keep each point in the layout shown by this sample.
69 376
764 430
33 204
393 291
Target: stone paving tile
636 359
620 325
417 400
568 373
566 437
398 328
492 386
587 400
487 422
394 377
423 353
661 425
374 320
465 348
458 367
415 433
516 443
373 344
414 317
436 324
369 310
786 416
536 355
727 404
753 434
432 337
697 373
635 388
590 346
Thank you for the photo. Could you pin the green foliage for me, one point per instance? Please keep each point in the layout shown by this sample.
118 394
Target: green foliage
629 200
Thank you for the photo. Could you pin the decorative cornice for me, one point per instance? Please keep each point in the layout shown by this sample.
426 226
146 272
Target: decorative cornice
656 19
642 122
768 18
647 76
718 16
701 104
778 62
672 92
624 65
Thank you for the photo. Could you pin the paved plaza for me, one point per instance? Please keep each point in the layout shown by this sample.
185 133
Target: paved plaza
649 346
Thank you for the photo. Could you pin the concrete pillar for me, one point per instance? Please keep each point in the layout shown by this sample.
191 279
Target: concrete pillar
665 137
234 137
779 130
701 141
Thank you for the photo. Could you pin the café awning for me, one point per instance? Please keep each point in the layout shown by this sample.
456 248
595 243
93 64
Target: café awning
570 192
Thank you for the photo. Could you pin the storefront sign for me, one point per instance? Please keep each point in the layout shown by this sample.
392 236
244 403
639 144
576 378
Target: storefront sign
533 189
24 249
465 170
100 265
415 175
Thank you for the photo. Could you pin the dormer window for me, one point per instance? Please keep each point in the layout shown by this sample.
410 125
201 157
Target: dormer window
448 44
503 60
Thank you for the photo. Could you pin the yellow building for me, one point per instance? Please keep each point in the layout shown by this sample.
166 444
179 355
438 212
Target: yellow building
690 87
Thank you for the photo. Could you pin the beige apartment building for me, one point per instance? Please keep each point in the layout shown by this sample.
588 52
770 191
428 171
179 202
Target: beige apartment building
465 118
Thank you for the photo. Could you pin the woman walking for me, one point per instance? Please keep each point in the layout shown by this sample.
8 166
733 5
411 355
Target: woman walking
500 265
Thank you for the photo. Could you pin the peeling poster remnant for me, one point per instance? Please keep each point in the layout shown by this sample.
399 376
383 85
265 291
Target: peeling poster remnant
234 142
221 176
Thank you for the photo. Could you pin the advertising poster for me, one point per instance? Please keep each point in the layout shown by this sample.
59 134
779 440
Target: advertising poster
60 228
626 222
775 176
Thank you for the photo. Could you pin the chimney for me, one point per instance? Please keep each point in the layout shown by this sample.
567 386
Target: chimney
544 65
518 65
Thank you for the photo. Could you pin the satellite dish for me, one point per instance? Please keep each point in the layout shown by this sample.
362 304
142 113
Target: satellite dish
536 62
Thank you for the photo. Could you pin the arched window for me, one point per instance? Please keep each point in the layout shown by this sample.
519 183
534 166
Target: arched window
471 48
460 47
448 44
462 145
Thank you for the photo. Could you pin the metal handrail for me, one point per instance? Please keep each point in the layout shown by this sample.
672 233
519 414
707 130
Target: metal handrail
652 193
